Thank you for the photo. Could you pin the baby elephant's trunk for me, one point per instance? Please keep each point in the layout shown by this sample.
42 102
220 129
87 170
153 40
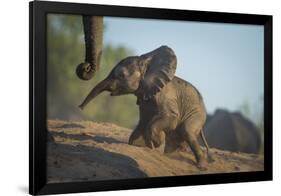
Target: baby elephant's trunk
100 87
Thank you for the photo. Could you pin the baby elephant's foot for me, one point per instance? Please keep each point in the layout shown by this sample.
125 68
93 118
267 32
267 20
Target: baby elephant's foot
161 149
202 164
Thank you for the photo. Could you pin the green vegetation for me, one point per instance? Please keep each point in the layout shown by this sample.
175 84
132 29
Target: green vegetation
66 91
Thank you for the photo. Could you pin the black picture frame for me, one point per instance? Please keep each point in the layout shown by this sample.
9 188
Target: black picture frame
38 11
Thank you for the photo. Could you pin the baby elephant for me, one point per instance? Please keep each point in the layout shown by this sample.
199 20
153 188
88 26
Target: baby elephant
171 110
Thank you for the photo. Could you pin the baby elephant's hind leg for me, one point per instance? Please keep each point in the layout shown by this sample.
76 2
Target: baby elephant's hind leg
191 134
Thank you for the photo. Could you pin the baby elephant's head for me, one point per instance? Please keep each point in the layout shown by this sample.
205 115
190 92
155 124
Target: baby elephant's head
143 75
125 77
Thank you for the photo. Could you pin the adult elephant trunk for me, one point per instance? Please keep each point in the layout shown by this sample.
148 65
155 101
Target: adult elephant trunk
93 35
99 88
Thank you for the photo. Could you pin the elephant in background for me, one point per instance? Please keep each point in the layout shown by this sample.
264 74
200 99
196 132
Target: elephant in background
233 132
93 35
171 109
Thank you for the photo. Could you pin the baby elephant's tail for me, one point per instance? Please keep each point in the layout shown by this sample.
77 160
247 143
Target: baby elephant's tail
210 157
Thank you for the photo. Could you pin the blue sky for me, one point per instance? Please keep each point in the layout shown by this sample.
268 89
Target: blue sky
224 61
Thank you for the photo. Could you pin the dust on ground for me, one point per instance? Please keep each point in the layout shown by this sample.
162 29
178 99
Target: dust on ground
89 151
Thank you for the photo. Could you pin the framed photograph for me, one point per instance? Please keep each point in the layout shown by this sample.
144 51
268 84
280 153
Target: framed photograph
131 97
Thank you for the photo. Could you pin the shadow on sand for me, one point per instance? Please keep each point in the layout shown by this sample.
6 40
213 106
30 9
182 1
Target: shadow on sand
99 139
84 163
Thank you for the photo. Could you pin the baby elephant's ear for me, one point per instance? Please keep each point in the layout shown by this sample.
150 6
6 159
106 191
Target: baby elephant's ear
159 68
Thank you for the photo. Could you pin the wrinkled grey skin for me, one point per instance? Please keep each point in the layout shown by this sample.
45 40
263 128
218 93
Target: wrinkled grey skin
93 36
171 110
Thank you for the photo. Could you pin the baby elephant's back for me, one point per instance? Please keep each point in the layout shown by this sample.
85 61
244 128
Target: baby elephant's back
190 103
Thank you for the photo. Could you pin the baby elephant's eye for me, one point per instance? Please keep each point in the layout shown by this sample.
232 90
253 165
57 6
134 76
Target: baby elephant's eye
121 76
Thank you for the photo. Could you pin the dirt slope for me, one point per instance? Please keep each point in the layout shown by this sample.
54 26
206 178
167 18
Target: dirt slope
86 151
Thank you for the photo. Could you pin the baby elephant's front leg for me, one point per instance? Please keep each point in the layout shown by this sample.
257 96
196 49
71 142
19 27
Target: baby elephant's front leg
155 133
137 137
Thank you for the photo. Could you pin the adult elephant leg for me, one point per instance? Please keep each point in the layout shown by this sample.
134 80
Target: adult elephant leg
93 35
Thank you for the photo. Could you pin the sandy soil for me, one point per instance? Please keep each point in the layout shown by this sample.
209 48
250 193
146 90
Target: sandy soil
87 151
